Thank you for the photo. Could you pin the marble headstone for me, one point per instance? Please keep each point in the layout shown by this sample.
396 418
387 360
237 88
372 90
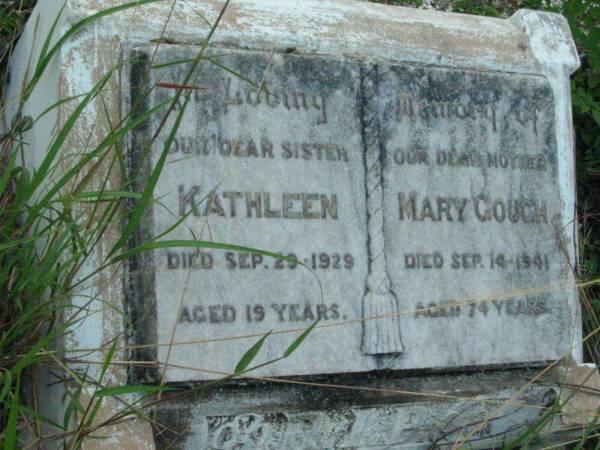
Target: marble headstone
415 168
423 201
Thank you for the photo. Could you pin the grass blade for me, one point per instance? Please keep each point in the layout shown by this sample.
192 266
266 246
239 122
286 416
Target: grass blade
40 174
73 406
108 360
185 216
7 173
294 345
99 196
245 361
198 244
6 385
56 105
46 46
532 432
123 390
11 244
139 209
104 145
10 434
43 63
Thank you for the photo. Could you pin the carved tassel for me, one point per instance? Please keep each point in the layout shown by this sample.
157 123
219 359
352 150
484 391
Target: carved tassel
381 334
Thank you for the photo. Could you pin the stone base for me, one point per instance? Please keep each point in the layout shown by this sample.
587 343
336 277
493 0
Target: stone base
360 411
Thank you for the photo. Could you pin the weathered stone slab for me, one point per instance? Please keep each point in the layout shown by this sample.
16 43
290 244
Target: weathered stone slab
473 241
423 199
278 161
290 416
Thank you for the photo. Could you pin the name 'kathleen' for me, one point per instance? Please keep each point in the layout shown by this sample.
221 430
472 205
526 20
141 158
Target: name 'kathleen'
297 205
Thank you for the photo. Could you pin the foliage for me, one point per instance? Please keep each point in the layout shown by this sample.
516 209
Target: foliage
584 18
12 17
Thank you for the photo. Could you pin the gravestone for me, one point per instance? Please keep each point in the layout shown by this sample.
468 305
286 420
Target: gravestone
377 178
416 169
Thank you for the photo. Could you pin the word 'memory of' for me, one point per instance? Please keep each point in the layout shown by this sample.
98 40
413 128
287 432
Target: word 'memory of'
297 205
482 208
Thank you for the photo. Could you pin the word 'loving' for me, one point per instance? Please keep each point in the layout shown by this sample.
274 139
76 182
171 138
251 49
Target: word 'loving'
295 100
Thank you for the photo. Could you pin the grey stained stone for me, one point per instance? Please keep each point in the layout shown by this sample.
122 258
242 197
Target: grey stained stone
470 216
273 163
423 200
379 412
419 163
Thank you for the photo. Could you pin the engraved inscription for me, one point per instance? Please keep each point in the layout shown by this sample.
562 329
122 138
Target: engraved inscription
425 109
481 208
238 92
424 200
472 158
302 205
274 164
367 426
532 306
263 147
471 213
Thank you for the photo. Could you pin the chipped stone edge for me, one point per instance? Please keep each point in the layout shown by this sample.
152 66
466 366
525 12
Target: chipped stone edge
579 393
553 47
335 27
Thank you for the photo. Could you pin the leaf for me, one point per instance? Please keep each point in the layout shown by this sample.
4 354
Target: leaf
99 196
7 172
55 105
44 50
106 143
40 175
25 410
48 55
6 385
596 114
138 211
11 244
186 215
245 361
533 431
108 360
73 406
180 86
294 345
236 74
173 62
10 433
